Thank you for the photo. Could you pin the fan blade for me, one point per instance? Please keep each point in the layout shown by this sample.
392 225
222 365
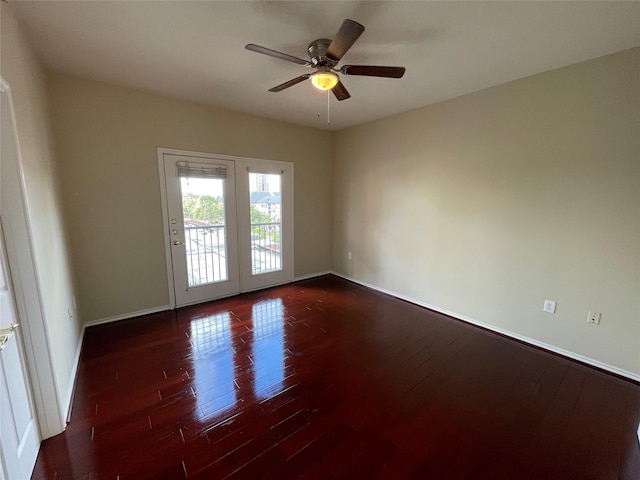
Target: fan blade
346 36
340 92
290 83
373 71
276 54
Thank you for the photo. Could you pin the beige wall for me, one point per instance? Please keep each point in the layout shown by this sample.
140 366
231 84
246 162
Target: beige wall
482 206
106 141
488 204
23 72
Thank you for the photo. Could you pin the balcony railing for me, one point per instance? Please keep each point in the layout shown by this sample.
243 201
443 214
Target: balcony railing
206 254
266 254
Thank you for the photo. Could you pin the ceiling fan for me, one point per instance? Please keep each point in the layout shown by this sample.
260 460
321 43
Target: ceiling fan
324 55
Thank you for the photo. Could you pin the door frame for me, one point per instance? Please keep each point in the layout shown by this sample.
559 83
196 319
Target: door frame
25 279
161 152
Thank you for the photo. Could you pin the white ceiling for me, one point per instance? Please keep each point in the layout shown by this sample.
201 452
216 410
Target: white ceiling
195 50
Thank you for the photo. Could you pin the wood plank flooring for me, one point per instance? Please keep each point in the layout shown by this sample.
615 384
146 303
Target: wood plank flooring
327 379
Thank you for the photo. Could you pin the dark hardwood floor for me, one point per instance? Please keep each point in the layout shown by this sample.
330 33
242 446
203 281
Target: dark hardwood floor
327 379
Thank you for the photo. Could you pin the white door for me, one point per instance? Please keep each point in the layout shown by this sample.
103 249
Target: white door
19 436
201 204
265 223
229 224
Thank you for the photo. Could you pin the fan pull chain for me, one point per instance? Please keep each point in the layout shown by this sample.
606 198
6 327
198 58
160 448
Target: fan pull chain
328 111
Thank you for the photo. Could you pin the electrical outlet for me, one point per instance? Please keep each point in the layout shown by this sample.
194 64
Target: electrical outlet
594 317
549 306
349 256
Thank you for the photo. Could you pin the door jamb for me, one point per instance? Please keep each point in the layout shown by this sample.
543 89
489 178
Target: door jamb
25 279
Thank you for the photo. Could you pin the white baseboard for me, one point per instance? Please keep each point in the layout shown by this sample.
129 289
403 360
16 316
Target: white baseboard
313 275
507 333
68 400
117 318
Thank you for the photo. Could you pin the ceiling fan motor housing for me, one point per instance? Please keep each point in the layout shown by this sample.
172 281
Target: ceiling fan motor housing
318 53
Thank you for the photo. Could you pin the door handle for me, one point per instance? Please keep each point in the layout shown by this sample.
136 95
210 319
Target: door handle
176 242
6 333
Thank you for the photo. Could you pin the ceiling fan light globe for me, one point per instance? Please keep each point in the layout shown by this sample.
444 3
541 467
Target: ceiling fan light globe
324 80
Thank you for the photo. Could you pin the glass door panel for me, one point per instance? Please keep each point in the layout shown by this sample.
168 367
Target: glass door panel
265 203
203 211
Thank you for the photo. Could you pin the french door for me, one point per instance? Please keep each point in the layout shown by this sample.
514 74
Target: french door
228 224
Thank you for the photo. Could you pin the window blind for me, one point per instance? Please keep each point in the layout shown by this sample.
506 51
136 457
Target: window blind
200 170
265 170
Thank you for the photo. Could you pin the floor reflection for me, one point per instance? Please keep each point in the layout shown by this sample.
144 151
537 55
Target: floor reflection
238 363
213 361
268 347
